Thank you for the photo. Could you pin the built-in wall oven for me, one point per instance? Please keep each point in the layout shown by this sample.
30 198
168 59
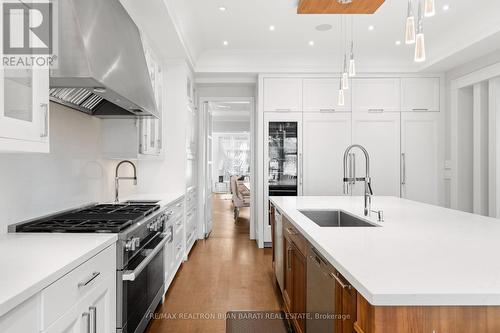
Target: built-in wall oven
140 284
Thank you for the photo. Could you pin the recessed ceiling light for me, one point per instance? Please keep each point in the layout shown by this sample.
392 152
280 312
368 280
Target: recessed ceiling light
272 28
324 27
225 43
446 7
311 43
222 8
398 42
371 28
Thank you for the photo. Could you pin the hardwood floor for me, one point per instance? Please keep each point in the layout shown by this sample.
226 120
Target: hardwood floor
227 272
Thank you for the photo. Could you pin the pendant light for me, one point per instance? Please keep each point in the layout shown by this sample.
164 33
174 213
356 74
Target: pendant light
410 25
341 98
345 75
420 40
352 62
430 8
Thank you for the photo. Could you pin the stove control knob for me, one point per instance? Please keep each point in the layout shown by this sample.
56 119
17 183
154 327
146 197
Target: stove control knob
129 246
155 225
151 226
137 242
132 244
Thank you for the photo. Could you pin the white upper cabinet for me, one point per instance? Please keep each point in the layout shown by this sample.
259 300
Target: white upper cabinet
420 94
376 94
325 138
24 111
321 95
283 94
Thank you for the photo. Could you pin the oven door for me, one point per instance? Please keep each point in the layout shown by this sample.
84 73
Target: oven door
140 286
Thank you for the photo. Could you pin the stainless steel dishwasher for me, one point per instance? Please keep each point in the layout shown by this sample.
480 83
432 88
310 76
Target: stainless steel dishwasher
278 249
320 304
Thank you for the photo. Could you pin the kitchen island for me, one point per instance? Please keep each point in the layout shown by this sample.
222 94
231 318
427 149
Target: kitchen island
424 269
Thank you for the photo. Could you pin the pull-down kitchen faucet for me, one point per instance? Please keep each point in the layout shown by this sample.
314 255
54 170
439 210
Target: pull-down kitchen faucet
353 179
117 178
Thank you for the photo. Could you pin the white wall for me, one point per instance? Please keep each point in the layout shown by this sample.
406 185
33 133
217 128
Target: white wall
226 90
225 126
452 75
73 174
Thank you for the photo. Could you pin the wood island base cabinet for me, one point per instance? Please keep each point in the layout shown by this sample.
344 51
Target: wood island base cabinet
426 319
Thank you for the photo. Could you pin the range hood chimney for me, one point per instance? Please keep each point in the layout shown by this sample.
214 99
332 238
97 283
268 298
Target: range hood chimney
102 69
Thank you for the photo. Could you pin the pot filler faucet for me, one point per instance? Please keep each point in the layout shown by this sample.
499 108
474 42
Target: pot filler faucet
352 179
117 178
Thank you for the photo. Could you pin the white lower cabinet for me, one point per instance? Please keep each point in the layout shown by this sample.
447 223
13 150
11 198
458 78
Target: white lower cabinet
174 229
81 301
326 136
420 156
380 134
95 313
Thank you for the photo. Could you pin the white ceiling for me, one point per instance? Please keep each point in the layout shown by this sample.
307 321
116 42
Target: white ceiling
253 47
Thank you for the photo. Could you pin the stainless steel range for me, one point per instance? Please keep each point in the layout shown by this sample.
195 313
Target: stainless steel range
142 235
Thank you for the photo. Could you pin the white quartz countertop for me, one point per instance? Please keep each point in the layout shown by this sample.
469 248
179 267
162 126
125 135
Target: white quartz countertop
421 255
31 262
164 198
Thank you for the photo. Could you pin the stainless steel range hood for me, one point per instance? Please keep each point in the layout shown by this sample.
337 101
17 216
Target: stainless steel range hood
101 68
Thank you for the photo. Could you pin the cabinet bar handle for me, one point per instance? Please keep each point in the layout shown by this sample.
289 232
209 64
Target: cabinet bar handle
93 319
326 110
89 280
403 169
283 109
45 110
340 282
420 109
375 110
291 231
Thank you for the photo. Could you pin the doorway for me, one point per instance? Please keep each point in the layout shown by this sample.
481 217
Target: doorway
228 159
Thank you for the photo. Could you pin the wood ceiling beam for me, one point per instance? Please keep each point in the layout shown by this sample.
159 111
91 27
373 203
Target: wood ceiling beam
334 7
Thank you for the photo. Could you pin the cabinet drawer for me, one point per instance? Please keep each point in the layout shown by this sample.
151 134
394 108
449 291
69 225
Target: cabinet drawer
60 296
291 233
190 219
178 251
176 209
178 225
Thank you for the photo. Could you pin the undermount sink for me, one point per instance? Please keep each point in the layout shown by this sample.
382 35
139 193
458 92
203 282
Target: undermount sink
335 218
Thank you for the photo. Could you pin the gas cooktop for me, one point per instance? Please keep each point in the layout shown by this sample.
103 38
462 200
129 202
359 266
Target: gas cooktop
106 218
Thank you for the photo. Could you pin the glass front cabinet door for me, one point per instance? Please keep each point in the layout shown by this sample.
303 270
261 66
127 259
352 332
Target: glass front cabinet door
24 113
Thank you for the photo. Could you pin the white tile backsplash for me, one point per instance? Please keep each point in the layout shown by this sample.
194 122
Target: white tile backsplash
73 174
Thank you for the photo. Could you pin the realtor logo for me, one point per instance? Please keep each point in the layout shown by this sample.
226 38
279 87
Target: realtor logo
27 28
29 37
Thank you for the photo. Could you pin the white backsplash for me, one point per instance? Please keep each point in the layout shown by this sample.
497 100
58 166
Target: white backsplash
73 174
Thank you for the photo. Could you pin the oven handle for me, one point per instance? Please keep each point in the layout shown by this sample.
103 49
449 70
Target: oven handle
131 275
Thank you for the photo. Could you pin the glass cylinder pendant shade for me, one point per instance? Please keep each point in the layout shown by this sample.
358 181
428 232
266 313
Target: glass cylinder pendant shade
420 40
352 62
410 25
430 8
341 97
420 48
345 75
